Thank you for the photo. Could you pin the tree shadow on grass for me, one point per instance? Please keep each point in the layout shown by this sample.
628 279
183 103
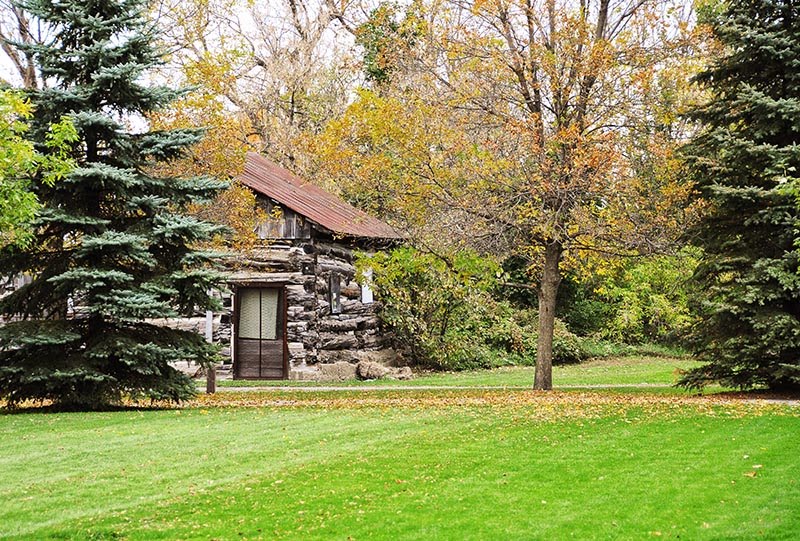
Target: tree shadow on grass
46 407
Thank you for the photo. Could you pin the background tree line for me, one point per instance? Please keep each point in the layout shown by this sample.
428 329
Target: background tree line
533 150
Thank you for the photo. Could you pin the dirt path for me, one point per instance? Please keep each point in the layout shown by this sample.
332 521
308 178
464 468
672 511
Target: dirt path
309 388
405 388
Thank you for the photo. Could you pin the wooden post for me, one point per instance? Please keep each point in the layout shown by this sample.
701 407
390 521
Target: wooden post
211 371
209 326
211 380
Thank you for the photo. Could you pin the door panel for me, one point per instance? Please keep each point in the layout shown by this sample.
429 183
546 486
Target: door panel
260 359
259 347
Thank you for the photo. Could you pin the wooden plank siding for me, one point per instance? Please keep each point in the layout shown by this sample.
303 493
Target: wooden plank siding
282 223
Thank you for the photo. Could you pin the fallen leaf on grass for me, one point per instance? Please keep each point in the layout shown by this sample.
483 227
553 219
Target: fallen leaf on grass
528 406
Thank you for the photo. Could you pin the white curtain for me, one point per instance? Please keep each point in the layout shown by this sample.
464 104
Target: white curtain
258 313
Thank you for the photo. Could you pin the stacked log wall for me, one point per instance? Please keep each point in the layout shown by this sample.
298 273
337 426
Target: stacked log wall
356 332
315 334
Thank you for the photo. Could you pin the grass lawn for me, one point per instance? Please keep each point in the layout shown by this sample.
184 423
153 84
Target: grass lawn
610 371
452 464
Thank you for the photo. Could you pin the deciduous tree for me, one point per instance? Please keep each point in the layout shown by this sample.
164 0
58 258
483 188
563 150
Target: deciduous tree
19 161
546 126
15 27
282 68
264 77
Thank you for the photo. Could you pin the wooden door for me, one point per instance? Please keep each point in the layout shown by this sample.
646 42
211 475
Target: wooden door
260 349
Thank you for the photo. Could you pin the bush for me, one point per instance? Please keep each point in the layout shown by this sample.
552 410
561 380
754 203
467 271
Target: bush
581 307
443 313
427 301
568 348
604 348
643 301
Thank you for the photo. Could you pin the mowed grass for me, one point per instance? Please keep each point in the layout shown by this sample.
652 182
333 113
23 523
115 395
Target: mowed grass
454 464
610 371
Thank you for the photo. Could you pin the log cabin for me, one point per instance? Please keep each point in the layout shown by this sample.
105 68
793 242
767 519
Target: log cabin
297 302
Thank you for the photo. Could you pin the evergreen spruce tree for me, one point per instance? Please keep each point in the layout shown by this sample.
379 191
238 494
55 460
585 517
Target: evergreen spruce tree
112 246
746 161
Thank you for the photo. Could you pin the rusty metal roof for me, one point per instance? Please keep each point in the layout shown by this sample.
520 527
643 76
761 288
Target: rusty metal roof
327 210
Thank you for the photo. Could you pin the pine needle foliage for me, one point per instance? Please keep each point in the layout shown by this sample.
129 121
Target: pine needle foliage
113 247
746 161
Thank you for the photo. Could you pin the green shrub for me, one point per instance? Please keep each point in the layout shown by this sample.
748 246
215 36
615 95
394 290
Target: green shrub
581 307
443 313
643 301
597 347
428 302
568 348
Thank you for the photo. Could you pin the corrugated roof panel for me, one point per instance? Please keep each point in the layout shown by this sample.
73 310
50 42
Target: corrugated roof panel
272 180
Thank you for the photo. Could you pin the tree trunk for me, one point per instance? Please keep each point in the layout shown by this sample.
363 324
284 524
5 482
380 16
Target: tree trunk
548 289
